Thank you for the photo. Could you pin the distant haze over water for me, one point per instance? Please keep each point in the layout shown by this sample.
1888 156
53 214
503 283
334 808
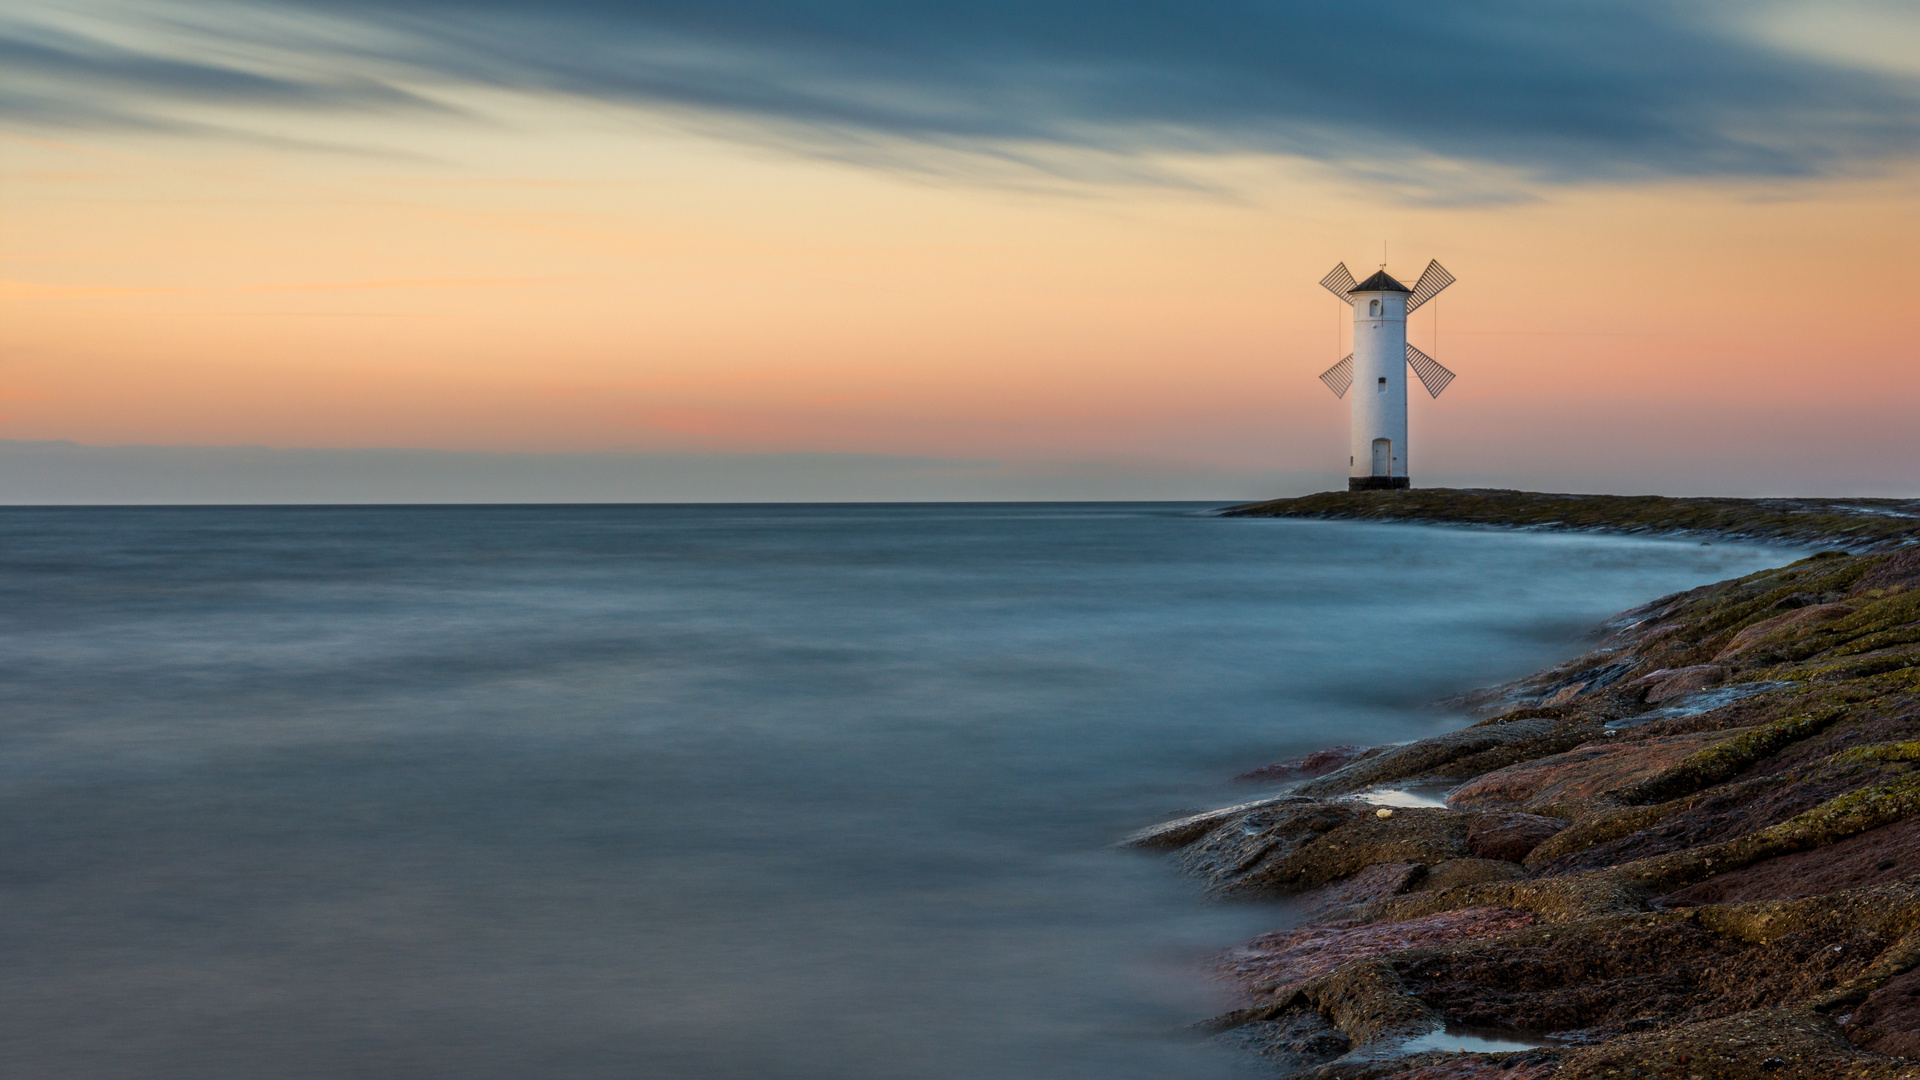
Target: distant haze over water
71 474
62 473
696 792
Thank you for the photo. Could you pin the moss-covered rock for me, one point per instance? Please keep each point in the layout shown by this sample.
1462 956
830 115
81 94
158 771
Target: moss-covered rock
1700 842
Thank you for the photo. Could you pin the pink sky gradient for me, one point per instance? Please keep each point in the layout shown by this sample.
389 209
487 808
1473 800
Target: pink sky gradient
551 284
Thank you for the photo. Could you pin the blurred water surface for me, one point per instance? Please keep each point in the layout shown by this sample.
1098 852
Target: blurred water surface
690 791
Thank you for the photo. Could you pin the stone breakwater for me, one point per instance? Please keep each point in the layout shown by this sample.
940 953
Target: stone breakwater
1693 852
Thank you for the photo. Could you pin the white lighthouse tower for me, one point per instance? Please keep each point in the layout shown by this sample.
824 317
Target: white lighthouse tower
1376 371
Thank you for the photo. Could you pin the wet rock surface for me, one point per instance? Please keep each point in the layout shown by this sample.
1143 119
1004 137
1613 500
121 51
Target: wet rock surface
1296 846
1728 891
1318 763
1296 1042
1184 830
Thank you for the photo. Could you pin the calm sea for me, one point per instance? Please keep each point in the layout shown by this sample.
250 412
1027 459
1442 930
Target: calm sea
672 791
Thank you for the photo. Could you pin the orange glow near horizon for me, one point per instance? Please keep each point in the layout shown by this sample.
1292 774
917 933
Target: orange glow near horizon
577 291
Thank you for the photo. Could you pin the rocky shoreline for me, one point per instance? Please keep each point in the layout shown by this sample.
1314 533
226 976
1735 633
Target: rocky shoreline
1693 852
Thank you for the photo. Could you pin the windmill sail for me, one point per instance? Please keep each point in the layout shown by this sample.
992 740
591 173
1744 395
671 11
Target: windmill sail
1432 376
1340 376
1432 280
1338 281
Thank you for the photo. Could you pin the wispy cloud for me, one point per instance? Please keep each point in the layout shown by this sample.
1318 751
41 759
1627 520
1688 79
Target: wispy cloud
107 71
1568 92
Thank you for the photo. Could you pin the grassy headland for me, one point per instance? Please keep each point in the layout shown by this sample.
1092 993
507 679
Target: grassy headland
1853 524
1692 852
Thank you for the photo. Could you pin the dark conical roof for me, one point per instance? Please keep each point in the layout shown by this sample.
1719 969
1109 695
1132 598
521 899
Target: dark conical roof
1380 282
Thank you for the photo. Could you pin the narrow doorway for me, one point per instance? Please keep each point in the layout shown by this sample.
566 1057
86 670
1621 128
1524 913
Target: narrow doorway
1383 457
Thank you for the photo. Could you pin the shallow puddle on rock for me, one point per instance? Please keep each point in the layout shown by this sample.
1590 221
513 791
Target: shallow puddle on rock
1425 795
1470 1041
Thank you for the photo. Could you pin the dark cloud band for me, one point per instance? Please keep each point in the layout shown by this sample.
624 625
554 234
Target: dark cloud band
1554 92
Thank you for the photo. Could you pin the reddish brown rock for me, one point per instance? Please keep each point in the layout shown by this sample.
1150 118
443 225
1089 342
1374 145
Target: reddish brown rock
1272 966
1595 978
1511 1067
1294 846
1376 882
1889 853
1672 682
1711 817
1765 1044
1318 763
1581 773
1889 1020
1602 978
1510 837
1782 627
1565 694
1457 872
1900 571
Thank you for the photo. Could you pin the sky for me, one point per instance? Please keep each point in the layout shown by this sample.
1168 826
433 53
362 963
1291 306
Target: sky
325 250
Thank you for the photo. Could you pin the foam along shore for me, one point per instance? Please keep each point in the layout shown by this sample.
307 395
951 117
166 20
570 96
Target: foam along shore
1692 852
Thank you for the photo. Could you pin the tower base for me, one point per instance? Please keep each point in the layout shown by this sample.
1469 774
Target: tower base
1378 483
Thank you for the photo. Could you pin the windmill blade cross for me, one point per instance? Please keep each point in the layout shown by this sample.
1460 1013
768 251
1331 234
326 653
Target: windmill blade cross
1340 376
1432 376
1338 281
1432 280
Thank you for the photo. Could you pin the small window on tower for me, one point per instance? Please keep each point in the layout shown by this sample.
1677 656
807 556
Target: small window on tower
1383 386
1373 307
